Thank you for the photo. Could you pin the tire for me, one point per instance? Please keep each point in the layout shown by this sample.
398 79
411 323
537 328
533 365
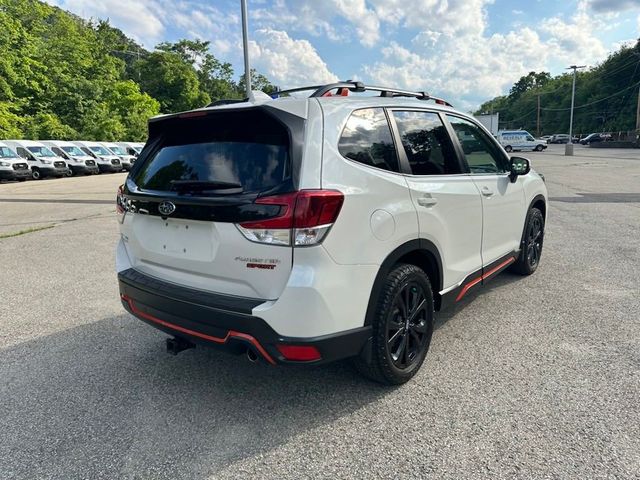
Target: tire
539 148
508 149
69 173
397 352
35 174
533 239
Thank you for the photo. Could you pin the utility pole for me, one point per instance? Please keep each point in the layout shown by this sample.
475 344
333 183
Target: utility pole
245 45
569 147
538 119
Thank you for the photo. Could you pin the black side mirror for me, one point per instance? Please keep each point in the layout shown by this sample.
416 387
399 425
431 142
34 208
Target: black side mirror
518 166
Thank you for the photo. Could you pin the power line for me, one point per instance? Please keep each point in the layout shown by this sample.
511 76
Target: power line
594 102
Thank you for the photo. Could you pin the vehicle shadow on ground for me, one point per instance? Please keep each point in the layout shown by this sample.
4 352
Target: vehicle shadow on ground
105 401
501 281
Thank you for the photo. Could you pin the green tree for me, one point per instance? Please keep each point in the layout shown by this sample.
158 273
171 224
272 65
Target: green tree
10 123
258 82
173 82
47 126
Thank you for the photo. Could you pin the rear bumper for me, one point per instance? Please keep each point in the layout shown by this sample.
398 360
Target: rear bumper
224 321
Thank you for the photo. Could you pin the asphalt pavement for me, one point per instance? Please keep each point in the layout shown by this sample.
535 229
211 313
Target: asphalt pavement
535 377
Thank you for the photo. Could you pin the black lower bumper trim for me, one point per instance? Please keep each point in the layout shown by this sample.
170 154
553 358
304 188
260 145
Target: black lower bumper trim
191 314
14 174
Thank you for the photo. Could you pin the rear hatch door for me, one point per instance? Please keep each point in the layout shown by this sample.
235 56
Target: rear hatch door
198 177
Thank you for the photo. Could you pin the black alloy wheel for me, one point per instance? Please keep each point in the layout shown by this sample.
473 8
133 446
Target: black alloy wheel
402 325
534 239
532 243
407 326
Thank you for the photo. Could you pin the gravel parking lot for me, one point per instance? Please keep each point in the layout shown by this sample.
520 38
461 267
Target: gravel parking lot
534 377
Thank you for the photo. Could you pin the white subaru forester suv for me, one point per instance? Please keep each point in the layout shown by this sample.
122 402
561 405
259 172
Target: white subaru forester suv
303 230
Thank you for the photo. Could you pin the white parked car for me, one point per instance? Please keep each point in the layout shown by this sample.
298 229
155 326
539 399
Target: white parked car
307 230
42 161
12 166
520 140
126 159
107 161
79 162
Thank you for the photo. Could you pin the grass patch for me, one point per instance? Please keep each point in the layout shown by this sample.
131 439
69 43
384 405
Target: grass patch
25 231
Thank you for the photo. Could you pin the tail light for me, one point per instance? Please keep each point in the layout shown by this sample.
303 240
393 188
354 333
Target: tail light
121 204
304 220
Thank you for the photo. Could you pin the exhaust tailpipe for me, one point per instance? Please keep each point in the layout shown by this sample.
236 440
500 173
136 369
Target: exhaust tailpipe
251 355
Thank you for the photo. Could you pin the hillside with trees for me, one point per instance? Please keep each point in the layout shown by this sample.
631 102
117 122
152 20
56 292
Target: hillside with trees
63 77
606 98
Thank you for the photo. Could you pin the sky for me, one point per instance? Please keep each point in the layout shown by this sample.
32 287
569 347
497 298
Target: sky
466 51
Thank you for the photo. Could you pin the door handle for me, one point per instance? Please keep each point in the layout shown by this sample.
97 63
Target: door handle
427 201
486 191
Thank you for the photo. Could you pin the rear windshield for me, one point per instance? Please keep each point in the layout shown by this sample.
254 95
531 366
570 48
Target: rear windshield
249 148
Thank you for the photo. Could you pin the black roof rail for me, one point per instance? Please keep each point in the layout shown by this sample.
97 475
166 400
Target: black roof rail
353 86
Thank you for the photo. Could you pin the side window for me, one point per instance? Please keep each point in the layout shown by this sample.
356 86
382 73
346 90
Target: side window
59 152
482 155
530 138
426 143
22 152
366 138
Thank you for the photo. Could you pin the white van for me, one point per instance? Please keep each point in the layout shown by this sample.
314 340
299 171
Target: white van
519 140
79 162
132 148
106 160
12 167
126 159
43 162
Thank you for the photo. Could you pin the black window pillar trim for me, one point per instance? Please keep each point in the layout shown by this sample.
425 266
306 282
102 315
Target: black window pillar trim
403 161
455 141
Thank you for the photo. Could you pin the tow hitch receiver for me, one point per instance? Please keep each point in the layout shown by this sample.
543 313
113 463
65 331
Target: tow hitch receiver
177 345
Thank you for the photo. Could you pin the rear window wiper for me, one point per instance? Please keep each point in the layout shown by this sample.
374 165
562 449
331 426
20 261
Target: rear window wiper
182 186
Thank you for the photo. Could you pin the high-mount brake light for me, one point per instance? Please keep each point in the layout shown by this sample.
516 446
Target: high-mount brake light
192 114
304 219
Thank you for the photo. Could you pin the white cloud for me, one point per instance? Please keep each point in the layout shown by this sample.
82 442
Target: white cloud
461 62
140 20
287 62
318 18
450 17
574 41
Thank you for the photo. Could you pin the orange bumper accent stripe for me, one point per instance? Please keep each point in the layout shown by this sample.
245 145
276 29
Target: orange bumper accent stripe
230 333
484 276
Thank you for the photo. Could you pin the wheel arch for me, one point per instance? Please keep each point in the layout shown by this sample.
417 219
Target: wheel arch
419 252
539 202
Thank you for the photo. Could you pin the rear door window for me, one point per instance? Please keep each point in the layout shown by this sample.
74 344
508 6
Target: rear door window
243 150
367 139
426 143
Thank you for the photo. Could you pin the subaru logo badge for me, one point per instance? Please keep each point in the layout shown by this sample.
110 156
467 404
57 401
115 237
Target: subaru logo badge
166 208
